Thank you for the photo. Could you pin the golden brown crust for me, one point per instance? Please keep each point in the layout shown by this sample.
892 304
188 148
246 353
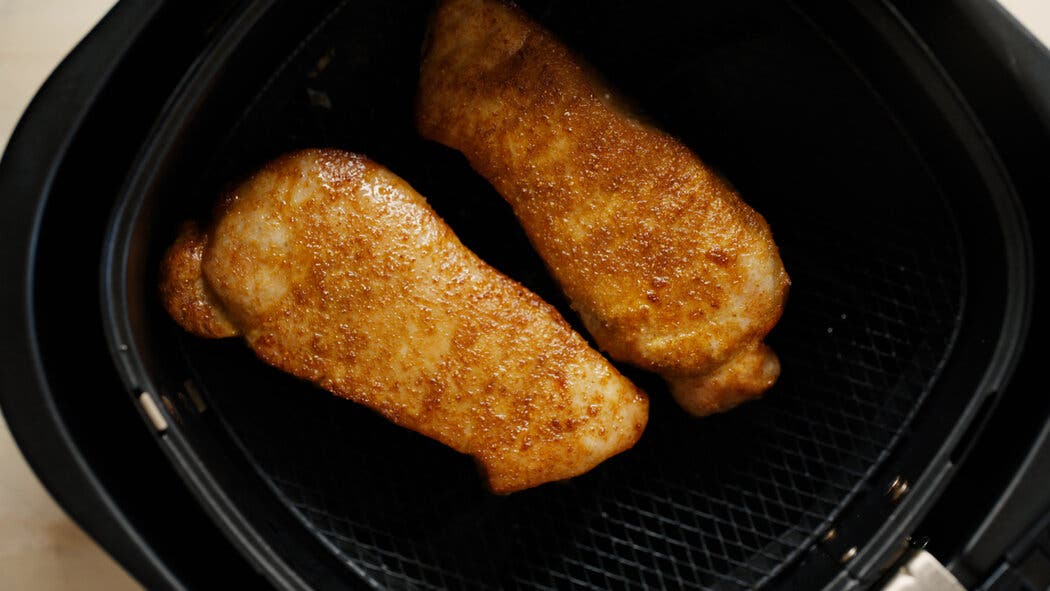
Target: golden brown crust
667 266
338 272
733 382
184 292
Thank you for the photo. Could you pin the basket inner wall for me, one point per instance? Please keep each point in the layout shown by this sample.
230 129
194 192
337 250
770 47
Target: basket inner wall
724 502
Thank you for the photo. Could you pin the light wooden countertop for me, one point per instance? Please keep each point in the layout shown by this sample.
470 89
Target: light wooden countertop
40 548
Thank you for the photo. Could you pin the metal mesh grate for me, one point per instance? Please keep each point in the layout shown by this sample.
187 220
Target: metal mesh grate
715 503
722 503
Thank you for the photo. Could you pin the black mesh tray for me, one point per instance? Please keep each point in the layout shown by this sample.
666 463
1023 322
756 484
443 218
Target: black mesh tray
876 219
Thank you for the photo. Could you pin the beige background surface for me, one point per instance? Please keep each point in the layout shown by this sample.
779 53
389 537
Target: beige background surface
40 548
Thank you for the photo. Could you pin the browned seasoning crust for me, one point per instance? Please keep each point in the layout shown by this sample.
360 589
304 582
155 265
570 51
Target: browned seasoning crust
184 292
667 266
337 271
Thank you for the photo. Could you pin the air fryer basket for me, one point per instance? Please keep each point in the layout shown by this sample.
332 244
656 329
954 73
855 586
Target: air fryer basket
893 226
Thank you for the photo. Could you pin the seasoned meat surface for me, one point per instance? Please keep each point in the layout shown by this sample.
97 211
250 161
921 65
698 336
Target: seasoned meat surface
335 270
667 266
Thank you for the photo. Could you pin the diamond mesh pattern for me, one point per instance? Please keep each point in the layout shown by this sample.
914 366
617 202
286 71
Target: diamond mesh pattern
724 502
718 503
